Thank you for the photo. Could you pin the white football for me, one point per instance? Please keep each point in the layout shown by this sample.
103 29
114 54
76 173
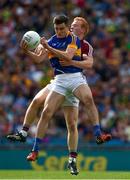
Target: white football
32 38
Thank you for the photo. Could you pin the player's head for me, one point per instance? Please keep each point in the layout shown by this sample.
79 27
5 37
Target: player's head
80 27
61 25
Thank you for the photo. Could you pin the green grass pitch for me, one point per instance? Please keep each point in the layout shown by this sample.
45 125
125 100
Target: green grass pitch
9 174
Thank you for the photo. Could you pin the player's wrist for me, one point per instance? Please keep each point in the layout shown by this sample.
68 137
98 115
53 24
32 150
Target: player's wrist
49 48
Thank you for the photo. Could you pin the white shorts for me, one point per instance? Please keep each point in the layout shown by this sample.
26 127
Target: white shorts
65 84
70 99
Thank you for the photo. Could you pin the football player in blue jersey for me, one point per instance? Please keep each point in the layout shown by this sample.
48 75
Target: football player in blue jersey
71 109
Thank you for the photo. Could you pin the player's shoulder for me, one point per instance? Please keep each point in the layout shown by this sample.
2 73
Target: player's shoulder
86 43
52 38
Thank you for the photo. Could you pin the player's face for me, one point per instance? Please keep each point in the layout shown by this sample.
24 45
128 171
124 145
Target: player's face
61 30
78 28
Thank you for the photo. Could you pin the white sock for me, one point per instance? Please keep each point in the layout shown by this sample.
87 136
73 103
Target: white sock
72 159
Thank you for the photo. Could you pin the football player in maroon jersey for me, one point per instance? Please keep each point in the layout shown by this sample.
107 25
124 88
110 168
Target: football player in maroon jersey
80 27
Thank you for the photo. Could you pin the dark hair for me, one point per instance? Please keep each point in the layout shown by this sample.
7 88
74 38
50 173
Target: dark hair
59 19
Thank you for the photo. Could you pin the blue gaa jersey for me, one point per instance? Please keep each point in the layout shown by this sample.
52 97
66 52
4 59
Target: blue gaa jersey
62 44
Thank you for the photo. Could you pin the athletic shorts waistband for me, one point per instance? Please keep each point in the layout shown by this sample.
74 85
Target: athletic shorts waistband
69 75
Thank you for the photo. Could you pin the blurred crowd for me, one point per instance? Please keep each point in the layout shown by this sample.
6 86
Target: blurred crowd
109 79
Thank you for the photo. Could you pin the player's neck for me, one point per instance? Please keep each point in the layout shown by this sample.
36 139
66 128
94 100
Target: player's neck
81 37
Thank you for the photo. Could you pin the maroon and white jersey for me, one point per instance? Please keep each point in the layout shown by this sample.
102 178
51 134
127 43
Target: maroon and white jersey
86 48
